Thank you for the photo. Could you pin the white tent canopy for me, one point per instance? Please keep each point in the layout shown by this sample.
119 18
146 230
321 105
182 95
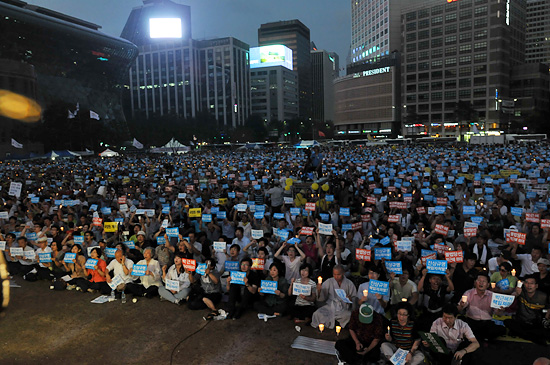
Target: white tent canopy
108 153
173 146
307 144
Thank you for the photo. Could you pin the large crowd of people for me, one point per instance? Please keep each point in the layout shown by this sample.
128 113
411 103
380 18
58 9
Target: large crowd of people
420 251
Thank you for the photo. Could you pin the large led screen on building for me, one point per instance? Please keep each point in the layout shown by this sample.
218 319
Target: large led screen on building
165 28
267 56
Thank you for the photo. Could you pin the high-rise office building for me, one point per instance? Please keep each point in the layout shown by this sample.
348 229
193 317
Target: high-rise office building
322 86
459 51
295 35
274 84
176 75
375 28
537 32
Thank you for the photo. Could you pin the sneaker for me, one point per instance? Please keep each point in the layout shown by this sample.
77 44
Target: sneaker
71 287
78 288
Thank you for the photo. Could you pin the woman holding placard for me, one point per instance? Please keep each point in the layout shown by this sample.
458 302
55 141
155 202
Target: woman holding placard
96 275
502 281
274 304
76 267
303 308
177 281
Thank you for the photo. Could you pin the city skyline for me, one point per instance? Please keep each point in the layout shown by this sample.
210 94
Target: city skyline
330 28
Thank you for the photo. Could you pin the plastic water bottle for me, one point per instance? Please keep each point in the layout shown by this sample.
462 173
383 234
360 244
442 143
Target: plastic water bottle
123 298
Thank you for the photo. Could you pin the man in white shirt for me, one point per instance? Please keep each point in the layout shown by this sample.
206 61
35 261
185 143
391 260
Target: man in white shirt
44 268
528 260
120 266
240 239
21 264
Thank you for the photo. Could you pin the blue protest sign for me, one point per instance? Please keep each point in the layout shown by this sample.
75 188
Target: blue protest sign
268 287
344 212
503 284
69 257
219 246
405 246
382 253
294 211
324 217
329 198
130 244
237 277
161 240
110 252
45 257
222 214
516 212
106 210
201 269
139 270
395 267
440 209
469 210
436 266
477 220
90 263
258 215
231 266
379 287
278 216
385 240
282 234
294 241
207 218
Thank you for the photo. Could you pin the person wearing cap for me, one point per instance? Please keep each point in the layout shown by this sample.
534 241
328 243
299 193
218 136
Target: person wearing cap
504 281
403 334
543 279
44 269
529 320
457 335
366 331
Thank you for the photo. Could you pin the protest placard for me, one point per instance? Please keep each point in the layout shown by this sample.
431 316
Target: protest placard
395 267
237 277
116 281
362 254
139 270
130 244
502 300
454 256
441 229
257 234
379 287
110 227
434 341
301 289
258 264
231 265
382 253
399 357
90 264
15 189
68 258
189 264
306 231
110 252
173 285
45 257
514 236
325 229
196 212
404 246
342 295
268 286
436 266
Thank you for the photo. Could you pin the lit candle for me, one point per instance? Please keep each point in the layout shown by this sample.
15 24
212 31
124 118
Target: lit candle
520 284
388 330
493 285
319 279
338 329
403 299
513 272
365 293
464 299
321 327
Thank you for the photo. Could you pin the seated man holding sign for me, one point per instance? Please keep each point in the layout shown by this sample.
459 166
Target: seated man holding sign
479 313
338 306
119 267
403 334
273 292
529 321
450 340
243 294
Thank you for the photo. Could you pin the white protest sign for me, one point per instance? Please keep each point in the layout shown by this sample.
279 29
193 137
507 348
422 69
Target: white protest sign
257 233
2 245
15 189
399 357
219 246
325 229
173 285
502 300
116 281
405 246
303 289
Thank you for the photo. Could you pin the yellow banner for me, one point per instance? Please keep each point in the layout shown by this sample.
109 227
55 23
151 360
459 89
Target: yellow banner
195 212
507 173
222 201
110 227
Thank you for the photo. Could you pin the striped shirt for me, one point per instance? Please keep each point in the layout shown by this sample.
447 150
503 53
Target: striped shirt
403 336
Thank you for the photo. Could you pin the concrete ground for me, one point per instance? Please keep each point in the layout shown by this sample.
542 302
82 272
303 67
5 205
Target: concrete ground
45 326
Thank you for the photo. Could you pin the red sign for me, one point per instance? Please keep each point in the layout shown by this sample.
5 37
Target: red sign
514 236
122 200
356 226
433 256
362 254
394 218
257 264
392 189
532 217
310 207
421 210
441 201
545 223
441 229
189 264
365 218
441 248
190 187
470 231
97 221
371 200
454 256
306 231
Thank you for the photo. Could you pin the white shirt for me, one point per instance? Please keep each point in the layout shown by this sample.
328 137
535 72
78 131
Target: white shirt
292 267
528 267
118 270
242 243
154 268
183 278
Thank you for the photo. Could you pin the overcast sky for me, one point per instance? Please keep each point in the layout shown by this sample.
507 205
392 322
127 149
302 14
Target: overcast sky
328 20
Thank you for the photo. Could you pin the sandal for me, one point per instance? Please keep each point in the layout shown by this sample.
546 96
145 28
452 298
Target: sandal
211 316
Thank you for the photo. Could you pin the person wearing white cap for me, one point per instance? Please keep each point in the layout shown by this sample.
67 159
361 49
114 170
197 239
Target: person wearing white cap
43 269
543 277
